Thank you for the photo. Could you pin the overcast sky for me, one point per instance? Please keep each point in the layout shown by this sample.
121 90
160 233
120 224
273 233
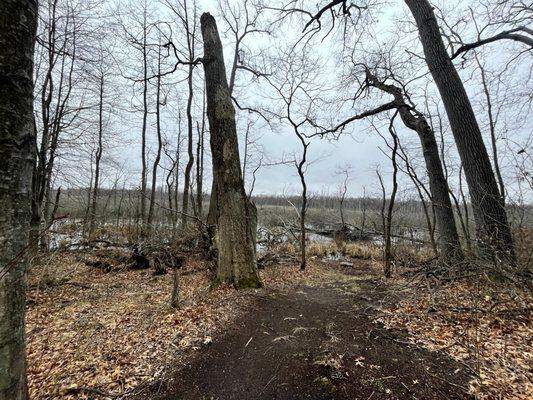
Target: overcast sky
359 148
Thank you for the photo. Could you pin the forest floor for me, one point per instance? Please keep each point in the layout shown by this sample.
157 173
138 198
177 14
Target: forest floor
335 331
316 341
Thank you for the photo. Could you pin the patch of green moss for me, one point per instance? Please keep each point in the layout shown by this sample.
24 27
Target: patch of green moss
216 283
244 283
325 383
248 283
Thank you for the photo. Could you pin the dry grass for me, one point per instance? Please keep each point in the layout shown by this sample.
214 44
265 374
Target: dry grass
403 253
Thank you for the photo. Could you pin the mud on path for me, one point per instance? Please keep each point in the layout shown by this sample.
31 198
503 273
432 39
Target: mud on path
314 342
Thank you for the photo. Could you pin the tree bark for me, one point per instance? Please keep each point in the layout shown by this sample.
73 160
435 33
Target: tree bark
18 25
236 248
493 231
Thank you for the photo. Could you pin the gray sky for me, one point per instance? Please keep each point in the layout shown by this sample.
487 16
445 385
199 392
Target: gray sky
358 149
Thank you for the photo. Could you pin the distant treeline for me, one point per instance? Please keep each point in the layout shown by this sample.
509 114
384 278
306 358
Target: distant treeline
125 203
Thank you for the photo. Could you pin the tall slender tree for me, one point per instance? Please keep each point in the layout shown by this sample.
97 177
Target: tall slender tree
155 167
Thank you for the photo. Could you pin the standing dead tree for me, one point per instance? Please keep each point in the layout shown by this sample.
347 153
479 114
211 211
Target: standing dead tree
242 19
234 213
18 26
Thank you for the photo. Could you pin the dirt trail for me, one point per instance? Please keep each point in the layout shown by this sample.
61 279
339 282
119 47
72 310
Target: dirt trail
314 342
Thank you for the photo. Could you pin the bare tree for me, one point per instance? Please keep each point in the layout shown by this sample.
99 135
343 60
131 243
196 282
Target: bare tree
98 156
388 209
343 189
449 243
57 54
236 247
295 84
18 26
137 30
494 235
183 12
422 192
158 102
493 231
301 168
200 147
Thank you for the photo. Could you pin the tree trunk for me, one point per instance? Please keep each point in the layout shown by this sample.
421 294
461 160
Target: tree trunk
303 209
98 156
387 220
449 243
493 232
200 163
190 152
236 248
18 25
144 125
159 144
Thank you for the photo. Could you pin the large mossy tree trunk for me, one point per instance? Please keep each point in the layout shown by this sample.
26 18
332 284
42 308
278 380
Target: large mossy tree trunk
493 231
233 214
18 25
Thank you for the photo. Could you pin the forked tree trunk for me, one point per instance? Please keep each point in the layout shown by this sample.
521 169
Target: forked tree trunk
18 25
236 248
494 234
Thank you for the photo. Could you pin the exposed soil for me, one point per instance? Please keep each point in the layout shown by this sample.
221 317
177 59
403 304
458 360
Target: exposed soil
314 342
